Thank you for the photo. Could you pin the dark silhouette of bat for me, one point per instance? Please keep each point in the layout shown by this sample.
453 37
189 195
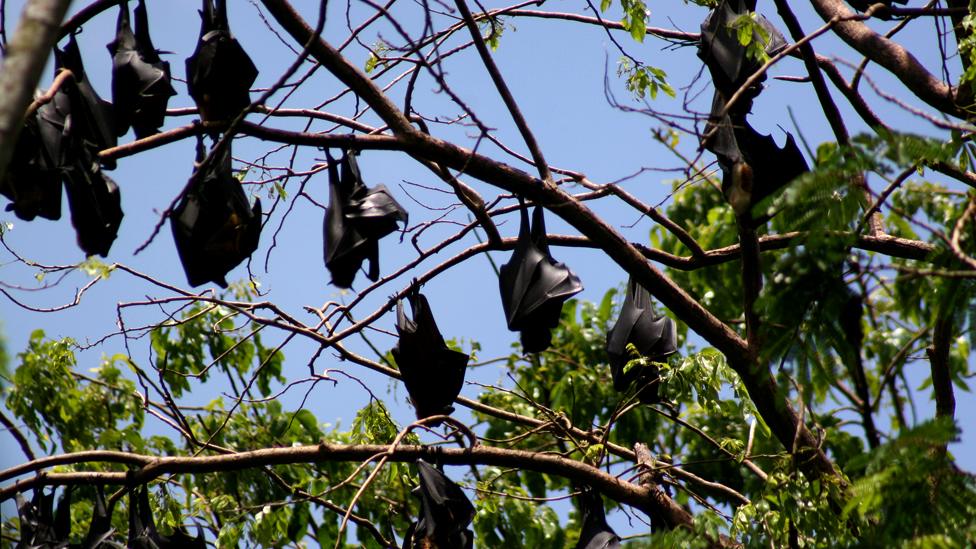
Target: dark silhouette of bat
40 526
54 131
219 74
100 528
33 180
654 337
595 533
92 118
95 203
356 219
726 57
213 225
534 286
142 528
753 165
432 372
140 79
445 513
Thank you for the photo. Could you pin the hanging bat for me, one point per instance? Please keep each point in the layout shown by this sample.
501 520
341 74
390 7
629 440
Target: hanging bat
726 57
100 528
219 74
432 372
595 533
40 526
445 513
213 225
95 204
33 180
654 337
534 286
753 165
356 219
143 533
92 118
140 79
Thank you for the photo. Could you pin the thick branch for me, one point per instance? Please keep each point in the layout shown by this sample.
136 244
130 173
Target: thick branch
336 140
890 55
147 468
674 515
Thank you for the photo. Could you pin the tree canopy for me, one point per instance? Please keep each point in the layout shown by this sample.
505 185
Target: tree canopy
333 286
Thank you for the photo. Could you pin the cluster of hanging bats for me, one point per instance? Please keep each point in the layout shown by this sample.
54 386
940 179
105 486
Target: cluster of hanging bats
215 228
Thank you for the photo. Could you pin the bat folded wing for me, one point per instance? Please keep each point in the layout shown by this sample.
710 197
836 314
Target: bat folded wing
33 182
95 204
653 336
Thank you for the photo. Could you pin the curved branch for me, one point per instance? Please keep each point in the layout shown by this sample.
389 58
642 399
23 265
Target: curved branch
250 129
151 467
890 55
